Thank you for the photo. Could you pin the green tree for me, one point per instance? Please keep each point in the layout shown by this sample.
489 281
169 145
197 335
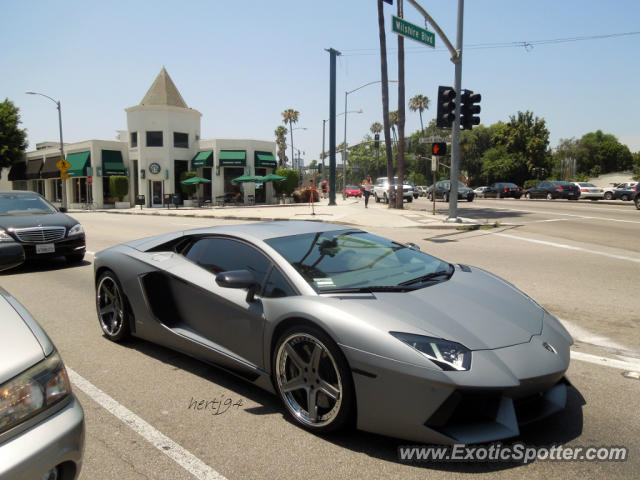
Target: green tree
289 185
419 103
526 136
13 140
473 145
119 186
376 127
290 116
281 144
603 149
498 164
635 161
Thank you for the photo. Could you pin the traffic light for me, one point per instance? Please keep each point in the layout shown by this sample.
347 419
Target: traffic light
320 167
438 149
469 109
446 107
376 139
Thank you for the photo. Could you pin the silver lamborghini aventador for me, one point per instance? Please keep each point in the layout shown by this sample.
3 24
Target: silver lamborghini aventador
345 326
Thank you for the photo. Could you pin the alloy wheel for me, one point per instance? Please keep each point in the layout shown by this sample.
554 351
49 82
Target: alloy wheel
309 380
110 306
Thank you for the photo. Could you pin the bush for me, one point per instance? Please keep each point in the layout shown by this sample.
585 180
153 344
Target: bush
581 177
188 190
289 185
304 196
119 186
530 184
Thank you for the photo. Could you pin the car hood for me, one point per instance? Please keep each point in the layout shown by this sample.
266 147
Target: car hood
476 309
37 220
19 346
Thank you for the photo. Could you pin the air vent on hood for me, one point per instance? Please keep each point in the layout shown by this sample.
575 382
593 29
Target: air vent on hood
464 268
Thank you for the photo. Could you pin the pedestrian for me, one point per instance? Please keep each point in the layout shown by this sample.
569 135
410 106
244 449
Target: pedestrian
367 184
325 187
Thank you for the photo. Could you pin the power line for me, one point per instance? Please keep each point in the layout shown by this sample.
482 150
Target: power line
526 44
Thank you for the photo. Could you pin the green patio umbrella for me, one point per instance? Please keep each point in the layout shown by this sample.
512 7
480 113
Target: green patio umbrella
272 177
195 181
246 178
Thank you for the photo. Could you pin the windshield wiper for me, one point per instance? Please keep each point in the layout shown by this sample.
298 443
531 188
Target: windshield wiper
430 276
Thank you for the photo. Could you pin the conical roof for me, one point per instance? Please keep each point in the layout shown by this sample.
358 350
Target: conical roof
163 92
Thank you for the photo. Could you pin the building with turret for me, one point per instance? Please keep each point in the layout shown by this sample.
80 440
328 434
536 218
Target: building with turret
161 143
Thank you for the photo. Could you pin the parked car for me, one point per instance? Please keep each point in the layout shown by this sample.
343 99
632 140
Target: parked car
41 421
480 191
413 186
43 230
353 191
422 190
609 191
311 312
552 189
636 195
589 191
503 190
444 186
381 187
625 194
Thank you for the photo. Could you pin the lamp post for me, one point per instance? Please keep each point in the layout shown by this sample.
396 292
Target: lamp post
64 182
323 135
292 155
344 156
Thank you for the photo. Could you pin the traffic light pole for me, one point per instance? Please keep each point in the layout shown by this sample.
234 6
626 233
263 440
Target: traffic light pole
455 140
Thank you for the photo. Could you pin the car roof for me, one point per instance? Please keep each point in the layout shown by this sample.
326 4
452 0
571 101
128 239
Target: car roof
266 230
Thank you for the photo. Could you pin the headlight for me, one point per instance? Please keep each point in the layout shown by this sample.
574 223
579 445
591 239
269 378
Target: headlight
5 237
33 391
447 355
76 230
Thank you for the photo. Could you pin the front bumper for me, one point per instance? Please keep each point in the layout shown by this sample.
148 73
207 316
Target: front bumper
67 246
503 390
57 441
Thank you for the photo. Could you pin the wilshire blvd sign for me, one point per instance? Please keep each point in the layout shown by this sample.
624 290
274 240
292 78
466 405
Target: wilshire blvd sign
409 30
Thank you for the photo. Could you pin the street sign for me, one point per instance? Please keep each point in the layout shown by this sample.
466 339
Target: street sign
63 165
414 32
434 164
435 139
64 175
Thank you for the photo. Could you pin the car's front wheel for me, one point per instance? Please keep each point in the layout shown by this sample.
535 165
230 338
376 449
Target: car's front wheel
377 198
527 196
549 196
608 195
313 379
625 198
111 307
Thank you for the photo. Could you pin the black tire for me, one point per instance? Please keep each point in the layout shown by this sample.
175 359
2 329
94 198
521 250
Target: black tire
608 195
409 199
111 305
329 386
429 197
549 196
75 258
637 202
385 198
470 198
375 195
625 198
517 197
446 197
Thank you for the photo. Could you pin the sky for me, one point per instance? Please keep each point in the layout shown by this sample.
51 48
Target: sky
243 62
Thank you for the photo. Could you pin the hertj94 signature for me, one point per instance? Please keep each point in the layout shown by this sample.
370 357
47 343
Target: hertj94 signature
217 405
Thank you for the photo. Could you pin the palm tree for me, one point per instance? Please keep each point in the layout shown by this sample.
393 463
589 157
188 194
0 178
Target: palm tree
393 121
290 116
376 127
419 103
281 143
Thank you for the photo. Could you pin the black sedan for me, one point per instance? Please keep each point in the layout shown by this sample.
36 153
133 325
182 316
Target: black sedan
443 188
624 194
552 189
43 230
503 190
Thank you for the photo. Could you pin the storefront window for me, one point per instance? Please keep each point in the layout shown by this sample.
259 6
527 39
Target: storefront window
79 190
231 190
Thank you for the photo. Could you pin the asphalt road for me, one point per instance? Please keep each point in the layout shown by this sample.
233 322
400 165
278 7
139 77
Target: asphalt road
584 270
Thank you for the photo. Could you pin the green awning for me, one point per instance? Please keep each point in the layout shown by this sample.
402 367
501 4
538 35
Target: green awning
18 171
265 159
79 163
112 163
233 158
203 159
33 168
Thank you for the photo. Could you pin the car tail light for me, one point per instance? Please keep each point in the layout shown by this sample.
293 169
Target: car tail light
506 189
584 189
559 189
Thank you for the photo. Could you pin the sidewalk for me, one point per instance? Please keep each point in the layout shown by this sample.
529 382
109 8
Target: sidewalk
347 212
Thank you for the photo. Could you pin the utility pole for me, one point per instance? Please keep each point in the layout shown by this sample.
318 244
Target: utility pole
332 125
401 117
455 138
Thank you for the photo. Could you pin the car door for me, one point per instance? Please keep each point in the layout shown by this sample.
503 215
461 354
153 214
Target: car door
491 191
222 316
540 190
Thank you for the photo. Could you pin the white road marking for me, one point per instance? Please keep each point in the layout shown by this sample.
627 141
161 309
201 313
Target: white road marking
583 335
164 444
587 217
569 247
626 363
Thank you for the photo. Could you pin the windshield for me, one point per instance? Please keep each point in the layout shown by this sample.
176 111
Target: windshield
354 260
21 204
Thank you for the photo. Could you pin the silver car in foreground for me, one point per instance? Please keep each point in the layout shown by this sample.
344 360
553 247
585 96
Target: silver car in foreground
41 421
345 326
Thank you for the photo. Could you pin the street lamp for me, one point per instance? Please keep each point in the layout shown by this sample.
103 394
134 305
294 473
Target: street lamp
324 175
344 156
64 183
292 156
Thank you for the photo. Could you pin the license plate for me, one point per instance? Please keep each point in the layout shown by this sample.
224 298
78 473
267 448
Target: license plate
45 248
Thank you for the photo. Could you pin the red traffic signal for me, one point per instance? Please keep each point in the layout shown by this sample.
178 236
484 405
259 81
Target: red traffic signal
438 149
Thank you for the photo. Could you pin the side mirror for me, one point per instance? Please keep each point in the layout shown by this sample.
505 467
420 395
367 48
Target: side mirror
11 255
413 246
238 279
63 209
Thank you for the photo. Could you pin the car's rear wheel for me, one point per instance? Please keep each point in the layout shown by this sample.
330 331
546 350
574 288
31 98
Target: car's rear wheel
375 195
313 379
409 199
112 310
446 197
385 198
527 196
608 195
637 202
470 198
549 196
625 198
